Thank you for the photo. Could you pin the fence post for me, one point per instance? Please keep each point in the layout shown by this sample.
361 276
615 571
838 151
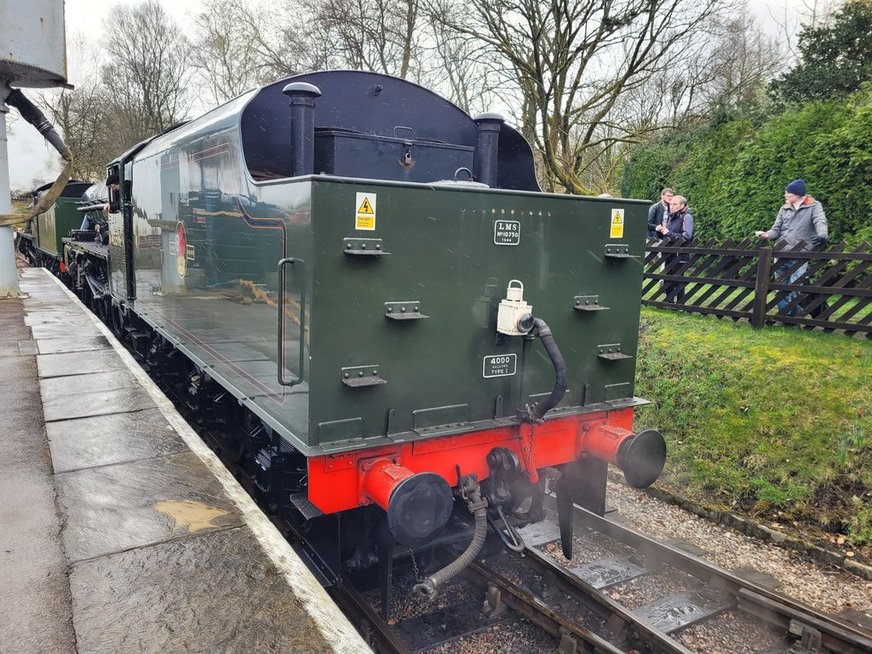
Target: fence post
761 287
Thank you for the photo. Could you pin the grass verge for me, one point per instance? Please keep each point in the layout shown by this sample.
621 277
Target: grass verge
775 424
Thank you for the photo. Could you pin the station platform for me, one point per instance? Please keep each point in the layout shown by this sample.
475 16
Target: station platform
120 531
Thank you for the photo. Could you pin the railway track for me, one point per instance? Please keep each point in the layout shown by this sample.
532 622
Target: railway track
577 605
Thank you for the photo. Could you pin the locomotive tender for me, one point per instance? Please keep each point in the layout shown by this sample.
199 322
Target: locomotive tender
344 276
42 240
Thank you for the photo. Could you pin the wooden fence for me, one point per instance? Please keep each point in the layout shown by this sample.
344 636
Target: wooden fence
742 280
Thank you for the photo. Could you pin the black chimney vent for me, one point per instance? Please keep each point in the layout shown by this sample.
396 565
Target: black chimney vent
302 95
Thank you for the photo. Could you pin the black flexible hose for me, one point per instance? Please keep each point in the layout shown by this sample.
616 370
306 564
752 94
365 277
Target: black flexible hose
33 115
536 412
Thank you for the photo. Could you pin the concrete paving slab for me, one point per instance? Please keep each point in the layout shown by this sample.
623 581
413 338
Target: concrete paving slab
92 382
27 348
77 363
162 599
9 349
20 410
11 310
55 316
95 403
63 330
117 438
34 591
12 327
40 294
37 302
35 604
119 507
164 550
72 344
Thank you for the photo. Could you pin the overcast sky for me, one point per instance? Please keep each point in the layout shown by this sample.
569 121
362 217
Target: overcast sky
32 161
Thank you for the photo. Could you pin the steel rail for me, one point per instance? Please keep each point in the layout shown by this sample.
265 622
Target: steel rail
531 607
619 618
839 636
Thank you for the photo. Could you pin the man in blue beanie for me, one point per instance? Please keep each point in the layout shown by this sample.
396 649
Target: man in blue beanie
801 219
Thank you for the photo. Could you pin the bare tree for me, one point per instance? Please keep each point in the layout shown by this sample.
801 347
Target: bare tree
147 74
258 42
741 62
378 35
240 43
466 71
81 114
223 56
574 62
81 117
729 70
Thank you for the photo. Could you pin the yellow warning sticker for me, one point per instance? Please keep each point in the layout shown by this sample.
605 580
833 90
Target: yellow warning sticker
364 216
616 228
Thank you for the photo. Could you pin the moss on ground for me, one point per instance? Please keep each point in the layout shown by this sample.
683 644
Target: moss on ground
776 423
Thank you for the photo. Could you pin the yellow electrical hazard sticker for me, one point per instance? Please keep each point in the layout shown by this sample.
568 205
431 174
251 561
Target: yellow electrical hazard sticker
364 217
616 228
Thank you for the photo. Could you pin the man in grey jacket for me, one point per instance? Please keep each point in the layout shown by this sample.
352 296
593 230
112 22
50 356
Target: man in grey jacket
801 218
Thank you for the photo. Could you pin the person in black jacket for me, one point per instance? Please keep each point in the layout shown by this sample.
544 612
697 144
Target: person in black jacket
677 230
659 211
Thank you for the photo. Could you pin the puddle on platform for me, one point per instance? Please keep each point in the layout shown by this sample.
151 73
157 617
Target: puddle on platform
189 515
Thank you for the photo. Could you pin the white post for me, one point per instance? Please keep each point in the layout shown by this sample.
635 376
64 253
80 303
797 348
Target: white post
8 273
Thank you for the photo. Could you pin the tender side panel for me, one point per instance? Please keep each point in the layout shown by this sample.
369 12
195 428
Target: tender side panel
206 255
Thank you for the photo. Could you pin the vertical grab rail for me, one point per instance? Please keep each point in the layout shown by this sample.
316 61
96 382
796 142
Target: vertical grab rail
281 322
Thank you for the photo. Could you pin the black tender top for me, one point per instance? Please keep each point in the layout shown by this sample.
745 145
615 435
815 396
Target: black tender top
73 189
355 104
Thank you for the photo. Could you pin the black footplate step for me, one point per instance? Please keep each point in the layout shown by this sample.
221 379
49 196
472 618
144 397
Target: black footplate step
608 572
304 506
678 611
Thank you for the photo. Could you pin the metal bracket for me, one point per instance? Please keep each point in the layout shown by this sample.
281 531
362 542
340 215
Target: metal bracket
716 589
494 607
547 587
810 638
618 251
568 643
588 303
357 376
612 352
616 626
408 310
364 247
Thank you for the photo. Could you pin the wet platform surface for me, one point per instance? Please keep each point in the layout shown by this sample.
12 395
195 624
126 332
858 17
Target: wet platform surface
144 543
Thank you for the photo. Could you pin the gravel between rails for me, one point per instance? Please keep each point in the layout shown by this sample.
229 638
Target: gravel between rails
827 589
